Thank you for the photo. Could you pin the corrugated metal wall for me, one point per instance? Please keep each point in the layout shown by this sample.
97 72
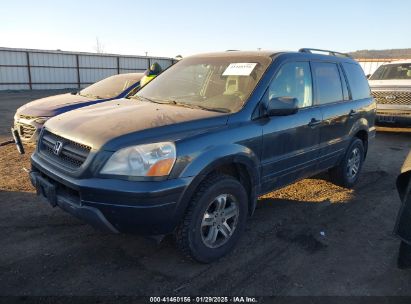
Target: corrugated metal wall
22 69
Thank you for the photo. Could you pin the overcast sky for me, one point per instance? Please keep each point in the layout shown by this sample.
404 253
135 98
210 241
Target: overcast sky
169 28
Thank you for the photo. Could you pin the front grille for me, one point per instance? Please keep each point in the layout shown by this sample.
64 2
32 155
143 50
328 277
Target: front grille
26 131
71 155
393 97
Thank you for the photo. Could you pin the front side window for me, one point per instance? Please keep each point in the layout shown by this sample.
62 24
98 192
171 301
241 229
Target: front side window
109 87
221 84
392 71
328 81
293 80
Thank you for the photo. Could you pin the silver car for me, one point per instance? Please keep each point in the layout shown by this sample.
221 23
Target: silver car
391 87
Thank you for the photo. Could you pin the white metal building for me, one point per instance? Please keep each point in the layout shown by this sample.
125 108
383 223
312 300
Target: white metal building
26 69
370 65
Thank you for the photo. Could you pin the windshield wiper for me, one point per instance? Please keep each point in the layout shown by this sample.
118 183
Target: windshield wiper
180 104
220 110
195 106
146 99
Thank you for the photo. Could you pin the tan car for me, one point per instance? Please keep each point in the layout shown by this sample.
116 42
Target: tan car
30 118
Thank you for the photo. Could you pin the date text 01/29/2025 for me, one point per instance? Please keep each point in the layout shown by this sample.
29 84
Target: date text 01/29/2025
203 300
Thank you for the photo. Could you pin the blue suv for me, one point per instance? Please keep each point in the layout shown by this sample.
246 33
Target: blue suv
191 152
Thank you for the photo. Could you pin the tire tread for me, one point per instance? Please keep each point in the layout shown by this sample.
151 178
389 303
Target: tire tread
182 232
337 174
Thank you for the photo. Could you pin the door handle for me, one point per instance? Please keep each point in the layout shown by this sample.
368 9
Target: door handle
352 113
314 122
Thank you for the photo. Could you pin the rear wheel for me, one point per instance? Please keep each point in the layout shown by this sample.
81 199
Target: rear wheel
347 172
215 219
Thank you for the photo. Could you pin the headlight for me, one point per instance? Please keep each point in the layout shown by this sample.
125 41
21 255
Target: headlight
143 160
41 120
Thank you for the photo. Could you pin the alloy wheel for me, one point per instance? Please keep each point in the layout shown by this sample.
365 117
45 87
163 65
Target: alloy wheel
219 220
353 164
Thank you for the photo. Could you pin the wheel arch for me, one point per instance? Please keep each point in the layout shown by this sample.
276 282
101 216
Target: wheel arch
360 130
234 160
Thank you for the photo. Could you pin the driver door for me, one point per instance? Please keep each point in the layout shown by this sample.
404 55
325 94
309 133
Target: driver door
291 143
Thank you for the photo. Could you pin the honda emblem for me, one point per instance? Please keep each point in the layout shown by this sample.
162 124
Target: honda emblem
58 146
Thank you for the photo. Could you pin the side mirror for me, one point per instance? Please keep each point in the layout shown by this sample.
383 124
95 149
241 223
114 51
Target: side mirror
74 92
282 106
368 76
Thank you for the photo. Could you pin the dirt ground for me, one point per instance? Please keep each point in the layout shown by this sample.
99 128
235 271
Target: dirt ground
310 238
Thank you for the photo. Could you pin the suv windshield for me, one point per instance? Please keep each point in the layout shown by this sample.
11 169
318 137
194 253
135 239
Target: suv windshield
221 83
109 87
392 71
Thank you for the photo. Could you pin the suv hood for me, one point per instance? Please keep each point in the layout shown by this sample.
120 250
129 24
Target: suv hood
50 106
114 120
392 83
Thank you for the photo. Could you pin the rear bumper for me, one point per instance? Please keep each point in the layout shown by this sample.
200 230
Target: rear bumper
148 208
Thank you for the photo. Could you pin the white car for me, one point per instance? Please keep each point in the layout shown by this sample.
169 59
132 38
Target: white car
391 87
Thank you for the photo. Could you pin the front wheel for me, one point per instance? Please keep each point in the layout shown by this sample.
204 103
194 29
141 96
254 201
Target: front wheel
215 219
347 172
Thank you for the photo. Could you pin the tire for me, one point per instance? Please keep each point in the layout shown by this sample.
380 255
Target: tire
404 256
195 234
343 175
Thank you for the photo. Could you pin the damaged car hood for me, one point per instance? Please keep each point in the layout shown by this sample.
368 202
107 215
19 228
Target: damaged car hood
50 106
96 125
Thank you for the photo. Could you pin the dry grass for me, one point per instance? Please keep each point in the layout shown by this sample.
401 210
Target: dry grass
313 190
13 177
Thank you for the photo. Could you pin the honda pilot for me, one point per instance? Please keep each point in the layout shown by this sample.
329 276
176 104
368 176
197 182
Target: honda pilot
191 152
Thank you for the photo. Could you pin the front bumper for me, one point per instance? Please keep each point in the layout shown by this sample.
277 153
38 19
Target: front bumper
148 208
395 114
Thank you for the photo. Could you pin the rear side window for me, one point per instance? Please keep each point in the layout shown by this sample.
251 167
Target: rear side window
328 81
357 81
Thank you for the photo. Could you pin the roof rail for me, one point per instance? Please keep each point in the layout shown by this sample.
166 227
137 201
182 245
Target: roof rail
331 53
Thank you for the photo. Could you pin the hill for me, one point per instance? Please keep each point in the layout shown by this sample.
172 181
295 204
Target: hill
387 54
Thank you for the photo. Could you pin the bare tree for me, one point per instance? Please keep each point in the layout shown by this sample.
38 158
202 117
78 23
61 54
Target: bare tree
99 47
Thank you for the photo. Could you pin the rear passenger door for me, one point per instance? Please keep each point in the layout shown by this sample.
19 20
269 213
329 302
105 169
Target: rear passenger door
290 143
332 98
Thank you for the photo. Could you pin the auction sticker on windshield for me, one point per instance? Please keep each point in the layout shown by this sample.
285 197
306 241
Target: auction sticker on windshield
239 69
